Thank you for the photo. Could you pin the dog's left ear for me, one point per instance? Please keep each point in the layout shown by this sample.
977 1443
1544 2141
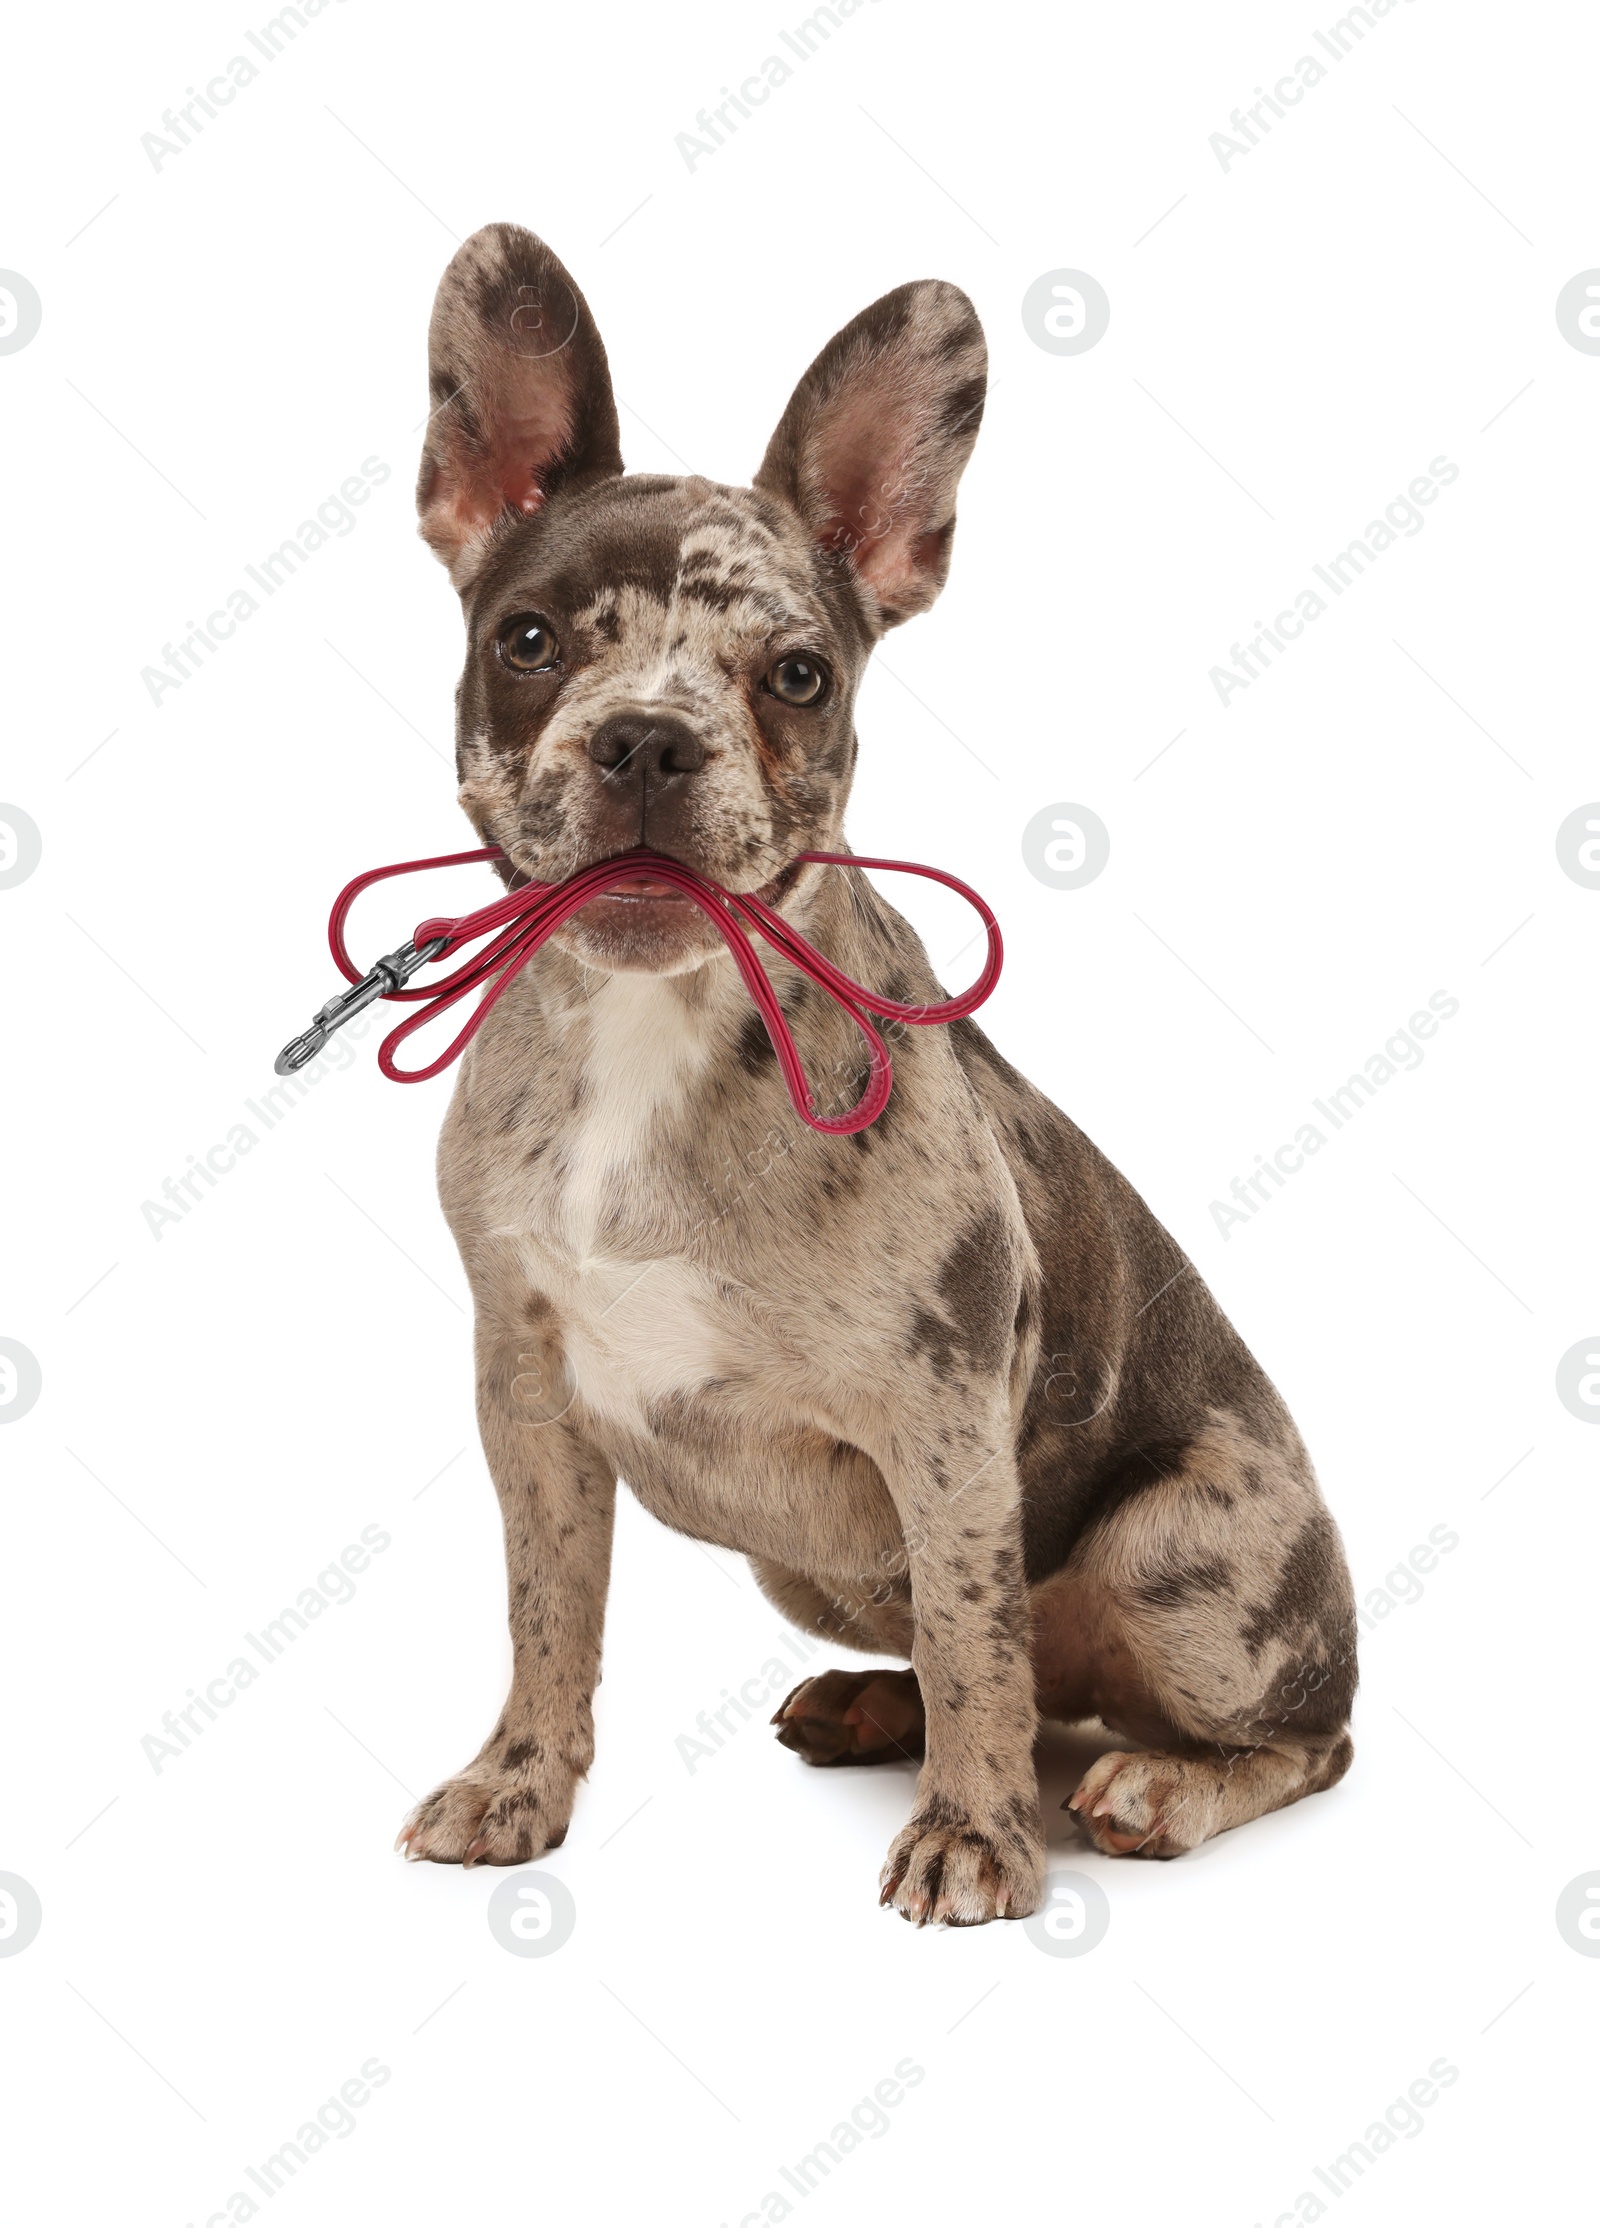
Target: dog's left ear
876 436
521 394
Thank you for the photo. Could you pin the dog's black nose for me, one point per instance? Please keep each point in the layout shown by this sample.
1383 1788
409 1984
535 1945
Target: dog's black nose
640 745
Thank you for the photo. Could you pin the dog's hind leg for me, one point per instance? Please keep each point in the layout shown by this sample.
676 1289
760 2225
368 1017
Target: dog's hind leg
1209 1616
1164 1804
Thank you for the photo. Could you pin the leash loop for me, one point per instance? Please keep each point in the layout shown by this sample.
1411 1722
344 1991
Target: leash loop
517 924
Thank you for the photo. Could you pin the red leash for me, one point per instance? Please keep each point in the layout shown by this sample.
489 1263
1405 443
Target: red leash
524 919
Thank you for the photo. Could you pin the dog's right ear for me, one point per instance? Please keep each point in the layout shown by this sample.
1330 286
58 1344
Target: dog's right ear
520 391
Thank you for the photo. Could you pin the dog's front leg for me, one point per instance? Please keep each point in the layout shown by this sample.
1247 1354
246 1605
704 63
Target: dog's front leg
557 1499
974 1849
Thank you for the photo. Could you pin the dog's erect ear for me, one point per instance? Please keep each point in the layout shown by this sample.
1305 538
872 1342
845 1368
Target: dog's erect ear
876 436
520 393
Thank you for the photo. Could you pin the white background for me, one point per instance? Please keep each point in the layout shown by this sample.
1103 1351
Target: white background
226 1407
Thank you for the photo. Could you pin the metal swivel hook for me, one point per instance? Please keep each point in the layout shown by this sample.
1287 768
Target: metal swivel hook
382 980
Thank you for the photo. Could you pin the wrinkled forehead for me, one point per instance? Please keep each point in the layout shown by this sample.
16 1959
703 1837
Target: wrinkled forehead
677 563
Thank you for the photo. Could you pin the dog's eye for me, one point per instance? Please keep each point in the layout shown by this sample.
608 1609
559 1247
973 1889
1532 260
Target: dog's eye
528 644
796 680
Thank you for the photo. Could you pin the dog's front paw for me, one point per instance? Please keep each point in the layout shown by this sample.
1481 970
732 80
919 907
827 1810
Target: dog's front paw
489 1816
948 1868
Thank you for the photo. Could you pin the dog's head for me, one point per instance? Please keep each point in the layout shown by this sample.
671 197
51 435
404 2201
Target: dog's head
667 661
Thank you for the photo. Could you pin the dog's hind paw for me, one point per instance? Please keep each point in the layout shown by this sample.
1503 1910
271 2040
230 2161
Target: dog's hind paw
853 1717
1147 1806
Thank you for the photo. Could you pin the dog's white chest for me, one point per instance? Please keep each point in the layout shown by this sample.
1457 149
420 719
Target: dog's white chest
637 1335
640 1322
641 1059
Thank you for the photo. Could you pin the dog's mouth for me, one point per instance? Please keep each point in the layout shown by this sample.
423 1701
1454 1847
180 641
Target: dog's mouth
644 923
646 889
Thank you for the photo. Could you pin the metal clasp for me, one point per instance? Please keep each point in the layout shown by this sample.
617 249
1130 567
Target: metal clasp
382 980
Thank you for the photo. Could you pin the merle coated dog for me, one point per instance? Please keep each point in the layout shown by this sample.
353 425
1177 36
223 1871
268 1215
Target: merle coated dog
947 1383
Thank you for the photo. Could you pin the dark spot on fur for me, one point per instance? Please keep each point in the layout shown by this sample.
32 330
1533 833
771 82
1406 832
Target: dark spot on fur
977 1286
1019 1812
1135 1469
1310 1582
938 1811
1178 1580
963 405
755 1051
1030 1146
897 991
931 1335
